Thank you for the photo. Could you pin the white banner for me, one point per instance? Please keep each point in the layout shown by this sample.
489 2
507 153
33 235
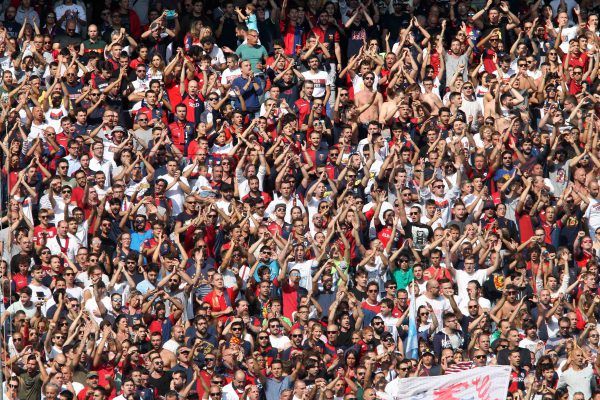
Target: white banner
483 383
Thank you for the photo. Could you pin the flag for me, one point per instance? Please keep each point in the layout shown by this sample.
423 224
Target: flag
412 341
458 367
481 383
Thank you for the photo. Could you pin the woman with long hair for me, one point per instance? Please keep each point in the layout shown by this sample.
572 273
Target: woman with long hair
156 68
121 327
192 38
424 327
27 33
123 249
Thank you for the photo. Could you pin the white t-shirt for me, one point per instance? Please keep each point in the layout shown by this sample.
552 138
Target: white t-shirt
39 293
439 305
229 75
305 269
75 292
54 115
320 79
471 108
216 56
105 166
391 324
18 306
225 149
37 131
59 209
71 244
566 36
592 213
280 342
176 194
91 305
463 278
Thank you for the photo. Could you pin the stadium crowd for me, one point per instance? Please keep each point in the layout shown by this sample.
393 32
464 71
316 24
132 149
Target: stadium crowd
298 200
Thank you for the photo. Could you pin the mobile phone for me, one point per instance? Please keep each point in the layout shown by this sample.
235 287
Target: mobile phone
170 14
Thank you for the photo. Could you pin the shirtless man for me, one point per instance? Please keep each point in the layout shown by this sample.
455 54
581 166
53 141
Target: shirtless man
365 96
579 185
430 97
389 109
507 304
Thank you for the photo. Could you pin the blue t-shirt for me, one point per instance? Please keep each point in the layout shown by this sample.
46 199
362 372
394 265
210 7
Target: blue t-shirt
273 267
251 22
137 238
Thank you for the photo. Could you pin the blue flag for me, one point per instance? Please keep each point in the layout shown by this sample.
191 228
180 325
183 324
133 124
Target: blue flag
412 341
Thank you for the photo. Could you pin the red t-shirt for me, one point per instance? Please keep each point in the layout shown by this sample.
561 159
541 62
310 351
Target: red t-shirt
174 92
218 304
525 226
20 281
289 294
206 377
581 61
437 273
366 306
37 233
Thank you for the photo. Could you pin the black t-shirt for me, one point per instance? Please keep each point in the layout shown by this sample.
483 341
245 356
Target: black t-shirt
501 25
525 357
157 46
360 296
419 233
161 384
183 217
393 23
357 34
267 32
228 37
290 92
